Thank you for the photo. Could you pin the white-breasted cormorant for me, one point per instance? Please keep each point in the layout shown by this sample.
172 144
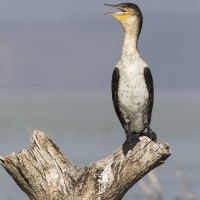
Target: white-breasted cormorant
132 82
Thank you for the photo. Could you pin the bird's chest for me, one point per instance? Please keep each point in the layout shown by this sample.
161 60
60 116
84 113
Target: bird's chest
132 91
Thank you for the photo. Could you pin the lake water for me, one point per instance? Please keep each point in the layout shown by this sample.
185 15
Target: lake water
85 127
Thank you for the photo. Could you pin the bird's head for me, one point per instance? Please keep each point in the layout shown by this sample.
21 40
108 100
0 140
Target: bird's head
128 12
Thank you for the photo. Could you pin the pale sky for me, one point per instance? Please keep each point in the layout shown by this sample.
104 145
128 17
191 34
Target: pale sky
51 10
65 44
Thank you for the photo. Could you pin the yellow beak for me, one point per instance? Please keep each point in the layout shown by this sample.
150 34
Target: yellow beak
120 16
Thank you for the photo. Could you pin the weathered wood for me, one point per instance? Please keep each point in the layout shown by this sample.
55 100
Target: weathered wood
44 173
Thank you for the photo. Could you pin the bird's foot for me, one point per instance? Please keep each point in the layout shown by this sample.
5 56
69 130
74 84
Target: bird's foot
129 144
150 134
132 139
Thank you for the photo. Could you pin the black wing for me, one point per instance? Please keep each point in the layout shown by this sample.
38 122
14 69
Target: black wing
149 82
115 85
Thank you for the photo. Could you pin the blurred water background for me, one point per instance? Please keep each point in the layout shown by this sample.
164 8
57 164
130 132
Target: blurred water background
84 125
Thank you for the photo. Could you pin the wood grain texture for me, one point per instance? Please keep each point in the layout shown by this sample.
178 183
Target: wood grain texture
44 173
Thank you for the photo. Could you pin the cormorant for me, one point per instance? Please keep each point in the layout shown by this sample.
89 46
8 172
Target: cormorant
132 82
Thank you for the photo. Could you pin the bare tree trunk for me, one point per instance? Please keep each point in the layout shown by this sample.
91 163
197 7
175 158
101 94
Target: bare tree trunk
44 173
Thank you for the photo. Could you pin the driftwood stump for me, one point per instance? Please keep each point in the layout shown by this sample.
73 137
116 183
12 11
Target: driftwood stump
44 173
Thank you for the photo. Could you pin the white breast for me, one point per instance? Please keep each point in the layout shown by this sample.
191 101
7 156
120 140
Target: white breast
133 94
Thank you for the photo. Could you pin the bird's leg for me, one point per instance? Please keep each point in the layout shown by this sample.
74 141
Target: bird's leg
128 134
150 133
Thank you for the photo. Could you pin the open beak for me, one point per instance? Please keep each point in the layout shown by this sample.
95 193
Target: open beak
117 7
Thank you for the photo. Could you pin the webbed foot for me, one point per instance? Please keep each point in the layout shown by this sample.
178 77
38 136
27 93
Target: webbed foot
150 134
132 139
